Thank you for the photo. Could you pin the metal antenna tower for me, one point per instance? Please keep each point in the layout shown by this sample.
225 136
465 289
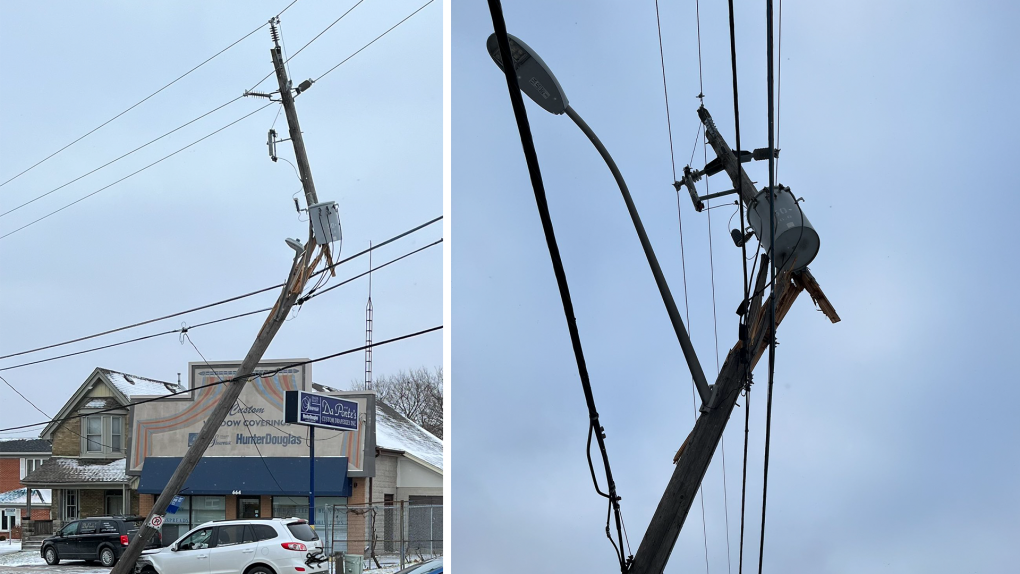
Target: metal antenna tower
368 325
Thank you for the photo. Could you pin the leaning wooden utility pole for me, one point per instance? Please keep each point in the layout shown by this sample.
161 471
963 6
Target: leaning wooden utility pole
299 273
696 452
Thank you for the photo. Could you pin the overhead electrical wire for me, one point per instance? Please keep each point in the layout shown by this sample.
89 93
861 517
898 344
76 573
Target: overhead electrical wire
193 143
185 329
742 326
223 301
772 273
408 17
715 332
143 100
261 374
342 16
8 234
665 93
71 430
534 171
13 209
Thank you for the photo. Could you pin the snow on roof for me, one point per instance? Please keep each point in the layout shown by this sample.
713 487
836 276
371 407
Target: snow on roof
323 388
101 403
78 470
394 431
17 497
131 385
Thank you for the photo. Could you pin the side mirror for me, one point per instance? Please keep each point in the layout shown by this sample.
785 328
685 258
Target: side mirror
173 547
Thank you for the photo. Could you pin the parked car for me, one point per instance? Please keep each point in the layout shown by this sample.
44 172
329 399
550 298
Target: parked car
100 538
254 546
434 566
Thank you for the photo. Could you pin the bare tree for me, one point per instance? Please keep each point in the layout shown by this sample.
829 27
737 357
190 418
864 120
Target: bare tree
417 394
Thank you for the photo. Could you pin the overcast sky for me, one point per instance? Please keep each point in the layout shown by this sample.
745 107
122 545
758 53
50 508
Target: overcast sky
210 222
894 436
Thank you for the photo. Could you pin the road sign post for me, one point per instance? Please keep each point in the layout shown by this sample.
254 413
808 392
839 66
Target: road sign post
314 410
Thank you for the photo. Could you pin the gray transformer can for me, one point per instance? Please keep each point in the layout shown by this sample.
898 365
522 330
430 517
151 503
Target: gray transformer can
796 240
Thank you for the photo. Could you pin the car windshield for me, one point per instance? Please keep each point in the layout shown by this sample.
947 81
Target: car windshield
302 531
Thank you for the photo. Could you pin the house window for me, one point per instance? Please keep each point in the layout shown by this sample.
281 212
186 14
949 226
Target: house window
70 505
9 518
103 435
94 434
30 464
116 433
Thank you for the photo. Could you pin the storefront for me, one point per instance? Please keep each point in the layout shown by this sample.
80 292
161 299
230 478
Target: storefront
257 466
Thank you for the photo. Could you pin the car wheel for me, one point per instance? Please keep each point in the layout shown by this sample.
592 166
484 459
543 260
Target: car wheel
51 556
260 570
107 557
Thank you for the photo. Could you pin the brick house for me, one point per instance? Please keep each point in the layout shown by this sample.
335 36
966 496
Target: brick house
86 471
18 457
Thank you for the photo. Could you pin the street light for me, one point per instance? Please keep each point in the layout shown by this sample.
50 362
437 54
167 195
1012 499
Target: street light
535 79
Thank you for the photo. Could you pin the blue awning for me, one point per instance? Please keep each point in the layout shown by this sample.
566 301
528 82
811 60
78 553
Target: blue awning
277 476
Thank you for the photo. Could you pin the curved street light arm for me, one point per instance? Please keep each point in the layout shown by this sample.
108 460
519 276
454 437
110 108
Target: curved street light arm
667 297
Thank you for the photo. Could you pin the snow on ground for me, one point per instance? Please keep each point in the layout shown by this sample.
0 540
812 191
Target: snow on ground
8 546
19 558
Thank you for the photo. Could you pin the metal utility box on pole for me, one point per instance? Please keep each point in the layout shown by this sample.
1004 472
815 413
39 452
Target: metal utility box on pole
299 273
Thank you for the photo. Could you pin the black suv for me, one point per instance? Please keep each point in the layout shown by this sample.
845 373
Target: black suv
101 538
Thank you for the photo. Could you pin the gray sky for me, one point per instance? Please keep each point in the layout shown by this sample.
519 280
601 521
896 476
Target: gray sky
893 432
210 222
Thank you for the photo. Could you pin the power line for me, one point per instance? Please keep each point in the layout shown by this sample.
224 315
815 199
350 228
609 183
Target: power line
772 273
143 100
71 430
230 380
741 327
373 41
534 170
665 94
185 329
135 172
309 42
34 406
224 301
121 157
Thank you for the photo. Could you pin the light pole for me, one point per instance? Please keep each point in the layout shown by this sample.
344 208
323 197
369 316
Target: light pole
537 81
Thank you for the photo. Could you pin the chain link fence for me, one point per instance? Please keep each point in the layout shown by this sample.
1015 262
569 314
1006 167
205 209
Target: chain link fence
385 534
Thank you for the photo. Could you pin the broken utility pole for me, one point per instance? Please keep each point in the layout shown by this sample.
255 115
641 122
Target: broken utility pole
696 453
299 273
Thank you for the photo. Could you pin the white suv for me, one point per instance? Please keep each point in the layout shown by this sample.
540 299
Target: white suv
267 546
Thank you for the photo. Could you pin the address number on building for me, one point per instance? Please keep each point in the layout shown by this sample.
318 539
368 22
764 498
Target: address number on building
156 521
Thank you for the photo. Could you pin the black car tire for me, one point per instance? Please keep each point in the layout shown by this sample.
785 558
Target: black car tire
107 557
260 570
50 554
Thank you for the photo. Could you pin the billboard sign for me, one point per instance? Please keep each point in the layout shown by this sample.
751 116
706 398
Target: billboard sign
323 411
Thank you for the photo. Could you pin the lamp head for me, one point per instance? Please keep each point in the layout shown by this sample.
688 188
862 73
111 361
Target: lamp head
533 75
296 245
